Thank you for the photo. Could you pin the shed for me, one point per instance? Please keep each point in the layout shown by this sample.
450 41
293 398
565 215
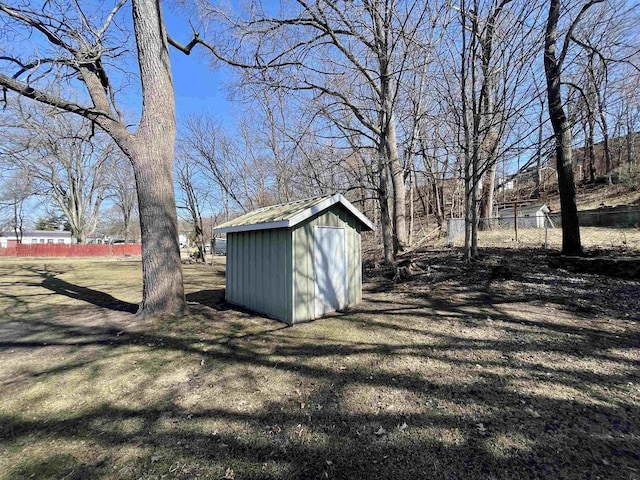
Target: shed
296 261
529 216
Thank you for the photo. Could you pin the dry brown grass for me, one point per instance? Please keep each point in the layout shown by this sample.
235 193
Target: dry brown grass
590 238
457 374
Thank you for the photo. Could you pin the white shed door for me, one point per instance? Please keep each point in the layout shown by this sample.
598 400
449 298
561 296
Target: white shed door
330 268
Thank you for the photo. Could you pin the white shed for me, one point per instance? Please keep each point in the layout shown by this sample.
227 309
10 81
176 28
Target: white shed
529 216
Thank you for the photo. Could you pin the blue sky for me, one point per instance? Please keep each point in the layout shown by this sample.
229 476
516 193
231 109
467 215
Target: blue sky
198 87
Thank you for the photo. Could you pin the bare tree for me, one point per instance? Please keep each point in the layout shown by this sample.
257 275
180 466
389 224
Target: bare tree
75 48
608 43
553 64
123 195
192 197
17 188
234 170
350 58
70 162
488 87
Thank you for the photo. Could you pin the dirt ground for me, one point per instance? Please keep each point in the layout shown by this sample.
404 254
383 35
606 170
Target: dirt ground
502 369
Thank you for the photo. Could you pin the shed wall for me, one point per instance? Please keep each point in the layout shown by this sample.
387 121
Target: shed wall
303 274
259 272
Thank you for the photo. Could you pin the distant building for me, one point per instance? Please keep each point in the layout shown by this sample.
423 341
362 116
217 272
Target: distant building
504 183
32 237
97 239
530 216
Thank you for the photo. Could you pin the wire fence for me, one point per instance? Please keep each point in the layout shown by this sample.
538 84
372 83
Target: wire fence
602 230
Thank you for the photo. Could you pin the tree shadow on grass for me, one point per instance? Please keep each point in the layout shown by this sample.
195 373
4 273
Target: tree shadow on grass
53 283
498 409
95 297
212 298
553 437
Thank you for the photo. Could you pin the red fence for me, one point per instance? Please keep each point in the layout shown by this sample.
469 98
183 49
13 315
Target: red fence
76 250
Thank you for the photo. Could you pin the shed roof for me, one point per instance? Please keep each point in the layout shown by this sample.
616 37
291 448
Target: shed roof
290 214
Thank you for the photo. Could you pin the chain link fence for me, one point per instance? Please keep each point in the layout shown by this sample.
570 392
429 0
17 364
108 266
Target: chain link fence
603 230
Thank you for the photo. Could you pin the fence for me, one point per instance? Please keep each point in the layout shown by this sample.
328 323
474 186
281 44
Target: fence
604 230
76 250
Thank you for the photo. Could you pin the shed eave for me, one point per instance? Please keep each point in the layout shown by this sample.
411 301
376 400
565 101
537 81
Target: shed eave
253 227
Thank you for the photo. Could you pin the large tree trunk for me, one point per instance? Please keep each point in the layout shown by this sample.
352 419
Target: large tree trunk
562 132
152 158
162 288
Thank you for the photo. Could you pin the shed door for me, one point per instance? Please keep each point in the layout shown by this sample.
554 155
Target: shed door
330 269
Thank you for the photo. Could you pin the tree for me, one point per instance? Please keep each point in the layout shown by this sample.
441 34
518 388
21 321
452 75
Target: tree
561 127
192 197
608 44
350 59
68 159
74 48
123 194
488 88
16 189
235 173
53 221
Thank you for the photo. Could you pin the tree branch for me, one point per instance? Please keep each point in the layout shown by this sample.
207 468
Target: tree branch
569 36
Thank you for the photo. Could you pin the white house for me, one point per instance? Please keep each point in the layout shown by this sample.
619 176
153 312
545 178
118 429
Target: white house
30 237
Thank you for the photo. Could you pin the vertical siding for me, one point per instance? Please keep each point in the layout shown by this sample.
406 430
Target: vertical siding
230 273
259 272
303 281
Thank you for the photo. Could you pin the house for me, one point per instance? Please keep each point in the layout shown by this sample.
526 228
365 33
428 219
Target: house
296 261
36 237
529 216
183 240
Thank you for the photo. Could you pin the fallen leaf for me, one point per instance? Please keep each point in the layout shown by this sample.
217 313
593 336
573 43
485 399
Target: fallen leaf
380 431
403 426
155 458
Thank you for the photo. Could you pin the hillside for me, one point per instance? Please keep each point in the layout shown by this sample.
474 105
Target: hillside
589 197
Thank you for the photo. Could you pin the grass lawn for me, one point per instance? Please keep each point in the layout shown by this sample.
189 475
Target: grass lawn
517 372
